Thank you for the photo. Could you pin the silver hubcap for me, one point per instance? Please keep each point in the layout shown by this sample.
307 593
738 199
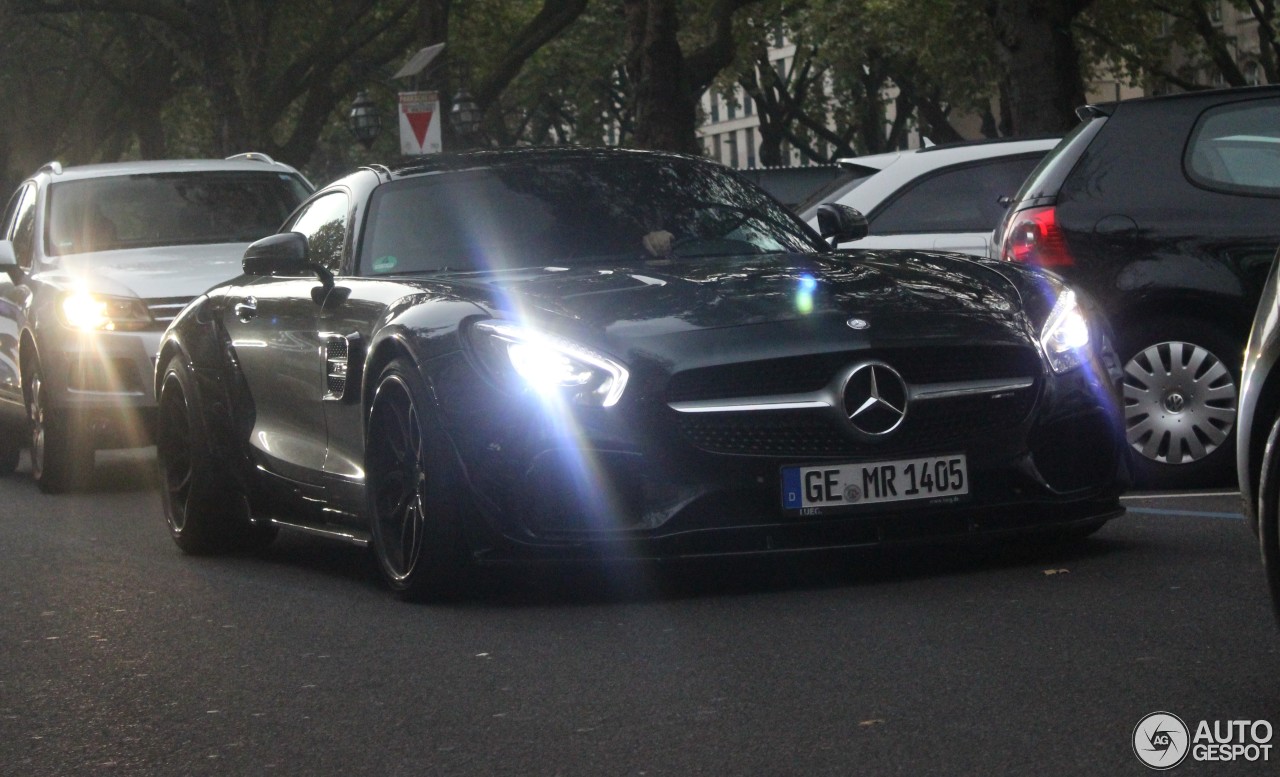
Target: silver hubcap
1179 402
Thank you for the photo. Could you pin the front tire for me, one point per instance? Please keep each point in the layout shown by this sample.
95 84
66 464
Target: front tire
60 458
1181 388
417 539
205 503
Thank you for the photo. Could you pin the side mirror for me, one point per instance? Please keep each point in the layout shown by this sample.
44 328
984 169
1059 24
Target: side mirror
9 262
840 223
284 253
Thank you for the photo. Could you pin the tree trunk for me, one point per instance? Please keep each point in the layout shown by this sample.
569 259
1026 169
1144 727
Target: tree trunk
1042 61
665 110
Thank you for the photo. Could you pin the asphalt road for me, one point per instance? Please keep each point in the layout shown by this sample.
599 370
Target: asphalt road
121 656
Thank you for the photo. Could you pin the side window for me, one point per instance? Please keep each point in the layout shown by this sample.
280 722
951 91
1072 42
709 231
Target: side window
20 225
1236 148
324 222
964 199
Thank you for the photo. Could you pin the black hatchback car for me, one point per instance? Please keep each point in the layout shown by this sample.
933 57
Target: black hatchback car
568 353
1164 209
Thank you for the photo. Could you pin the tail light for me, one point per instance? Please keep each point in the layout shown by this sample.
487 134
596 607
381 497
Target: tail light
1032 236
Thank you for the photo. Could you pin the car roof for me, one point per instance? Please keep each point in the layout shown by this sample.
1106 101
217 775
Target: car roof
880 175
1229 94
531 154
930 157
243 162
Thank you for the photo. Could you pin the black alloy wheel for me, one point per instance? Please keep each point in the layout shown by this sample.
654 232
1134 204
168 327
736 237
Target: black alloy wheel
416 538
60 459
205 504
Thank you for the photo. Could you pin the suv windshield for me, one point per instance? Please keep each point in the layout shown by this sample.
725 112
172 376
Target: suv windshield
103 214
571 213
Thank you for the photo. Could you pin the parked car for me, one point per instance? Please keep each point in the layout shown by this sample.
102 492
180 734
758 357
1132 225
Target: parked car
1163 209
1258 432
96 261
595 353
946 197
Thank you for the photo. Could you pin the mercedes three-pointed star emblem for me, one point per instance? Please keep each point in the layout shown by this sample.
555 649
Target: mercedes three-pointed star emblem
875 399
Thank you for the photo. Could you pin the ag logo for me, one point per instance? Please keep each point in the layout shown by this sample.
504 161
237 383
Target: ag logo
1161 740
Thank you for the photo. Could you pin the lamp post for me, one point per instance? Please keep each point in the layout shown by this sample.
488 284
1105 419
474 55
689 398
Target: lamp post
363 120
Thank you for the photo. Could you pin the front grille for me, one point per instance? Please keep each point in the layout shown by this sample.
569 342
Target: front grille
931 425
800 374
165 309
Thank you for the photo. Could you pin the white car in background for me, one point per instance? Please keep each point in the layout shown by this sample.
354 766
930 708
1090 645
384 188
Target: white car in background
944 198
95 261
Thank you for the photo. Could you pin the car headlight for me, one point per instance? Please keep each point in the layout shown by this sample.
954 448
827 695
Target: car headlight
548 364
94 312
1065 334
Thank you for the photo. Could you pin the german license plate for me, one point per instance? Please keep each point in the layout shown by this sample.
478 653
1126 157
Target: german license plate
850 485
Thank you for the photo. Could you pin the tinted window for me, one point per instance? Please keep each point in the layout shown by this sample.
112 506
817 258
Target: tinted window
965 199
570 213
101 214
324 222
1237 148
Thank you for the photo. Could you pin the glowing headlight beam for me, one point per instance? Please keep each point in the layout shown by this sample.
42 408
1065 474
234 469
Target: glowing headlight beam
548 363
1065 333
85 311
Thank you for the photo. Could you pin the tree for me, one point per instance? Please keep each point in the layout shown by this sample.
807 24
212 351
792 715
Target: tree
1041 60
667 84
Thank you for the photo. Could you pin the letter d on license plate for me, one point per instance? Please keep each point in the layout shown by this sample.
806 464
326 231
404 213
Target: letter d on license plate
850 485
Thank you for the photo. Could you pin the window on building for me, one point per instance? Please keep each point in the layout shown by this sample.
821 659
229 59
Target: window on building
715 107
751 149
731 149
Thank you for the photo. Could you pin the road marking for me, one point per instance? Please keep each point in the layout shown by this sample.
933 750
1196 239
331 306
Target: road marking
1186 513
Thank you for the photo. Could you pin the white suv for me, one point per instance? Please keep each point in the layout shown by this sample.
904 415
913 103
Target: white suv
943 198
94 263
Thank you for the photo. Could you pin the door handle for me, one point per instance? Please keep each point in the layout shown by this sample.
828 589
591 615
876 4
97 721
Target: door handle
246 309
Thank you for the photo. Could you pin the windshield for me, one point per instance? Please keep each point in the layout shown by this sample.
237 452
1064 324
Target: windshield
103 214
571 212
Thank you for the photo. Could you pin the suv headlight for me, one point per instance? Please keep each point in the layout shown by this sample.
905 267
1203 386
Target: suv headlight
1065 334
97 312
548 364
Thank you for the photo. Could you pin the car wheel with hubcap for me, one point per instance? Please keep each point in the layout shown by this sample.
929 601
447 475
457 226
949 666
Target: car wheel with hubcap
60 458
417 540
205 503
1181 388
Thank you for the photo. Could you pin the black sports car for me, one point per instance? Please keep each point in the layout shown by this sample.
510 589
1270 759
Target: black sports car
601 353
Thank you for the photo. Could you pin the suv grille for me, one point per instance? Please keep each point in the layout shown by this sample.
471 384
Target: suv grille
164 309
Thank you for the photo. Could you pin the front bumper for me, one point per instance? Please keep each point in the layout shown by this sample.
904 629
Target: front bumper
103 382
551 483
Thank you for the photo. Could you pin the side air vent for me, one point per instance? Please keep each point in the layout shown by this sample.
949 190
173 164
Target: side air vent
338 352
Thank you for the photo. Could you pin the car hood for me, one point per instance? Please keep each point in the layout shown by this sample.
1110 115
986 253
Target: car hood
763 302
166 271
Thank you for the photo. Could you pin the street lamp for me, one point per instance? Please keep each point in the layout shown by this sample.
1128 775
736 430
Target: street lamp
465 114
363 119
